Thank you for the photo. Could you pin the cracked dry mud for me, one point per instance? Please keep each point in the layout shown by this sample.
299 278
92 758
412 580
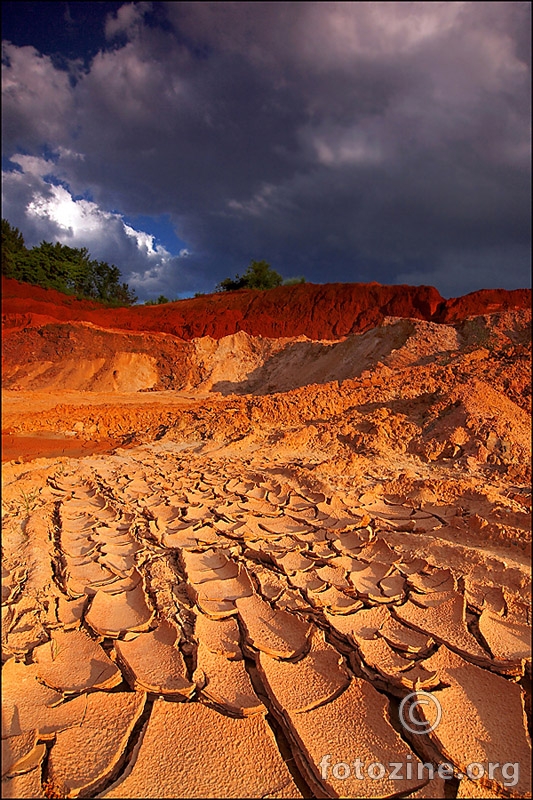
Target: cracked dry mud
212 611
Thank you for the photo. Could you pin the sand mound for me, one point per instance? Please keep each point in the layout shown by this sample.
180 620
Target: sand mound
83 357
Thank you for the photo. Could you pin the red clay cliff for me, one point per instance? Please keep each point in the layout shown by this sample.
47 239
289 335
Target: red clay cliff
319 311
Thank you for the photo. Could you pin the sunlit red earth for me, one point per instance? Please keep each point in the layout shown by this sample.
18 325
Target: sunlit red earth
239 530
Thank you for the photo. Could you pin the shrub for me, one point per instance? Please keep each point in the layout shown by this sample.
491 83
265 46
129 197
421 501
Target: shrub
259 275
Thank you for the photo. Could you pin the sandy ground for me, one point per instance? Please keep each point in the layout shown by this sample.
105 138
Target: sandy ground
48 444
259 580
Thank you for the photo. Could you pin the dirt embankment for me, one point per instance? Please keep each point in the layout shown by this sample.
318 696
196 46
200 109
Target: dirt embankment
246 342
431 399
408 388
325 311
79 356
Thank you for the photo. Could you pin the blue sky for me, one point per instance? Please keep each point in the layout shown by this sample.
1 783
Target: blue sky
341 141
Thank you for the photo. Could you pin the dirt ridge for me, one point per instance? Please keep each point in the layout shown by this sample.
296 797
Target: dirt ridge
318 311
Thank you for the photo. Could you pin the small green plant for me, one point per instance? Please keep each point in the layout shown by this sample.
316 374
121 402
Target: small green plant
29 500
55 649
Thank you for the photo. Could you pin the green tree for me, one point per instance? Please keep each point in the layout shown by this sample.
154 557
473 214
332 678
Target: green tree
123 296
67 269
13 250
259 275
60 267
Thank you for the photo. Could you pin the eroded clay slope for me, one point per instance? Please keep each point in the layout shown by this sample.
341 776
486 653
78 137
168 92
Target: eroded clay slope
318 311
59 356
84 357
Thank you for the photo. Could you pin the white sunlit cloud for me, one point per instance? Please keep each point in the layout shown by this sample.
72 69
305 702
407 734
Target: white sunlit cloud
33 165
145 243
79 219
38 203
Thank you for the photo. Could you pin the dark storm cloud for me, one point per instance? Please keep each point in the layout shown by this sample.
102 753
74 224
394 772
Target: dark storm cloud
344 141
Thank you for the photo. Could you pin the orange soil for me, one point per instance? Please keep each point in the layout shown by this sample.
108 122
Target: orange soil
312 527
